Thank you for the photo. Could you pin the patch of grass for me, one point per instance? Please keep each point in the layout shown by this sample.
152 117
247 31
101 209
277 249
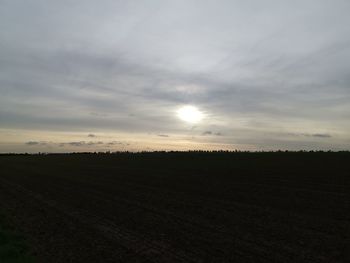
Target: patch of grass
13 249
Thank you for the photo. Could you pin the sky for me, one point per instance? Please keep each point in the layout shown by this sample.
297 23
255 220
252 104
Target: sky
83 75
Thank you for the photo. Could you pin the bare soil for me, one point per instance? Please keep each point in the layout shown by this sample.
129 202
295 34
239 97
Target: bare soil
180 207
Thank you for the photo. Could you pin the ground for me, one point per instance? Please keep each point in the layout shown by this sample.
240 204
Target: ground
13 248
180 207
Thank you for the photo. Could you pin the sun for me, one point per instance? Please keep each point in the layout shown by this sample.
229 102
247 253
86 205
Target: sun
190 114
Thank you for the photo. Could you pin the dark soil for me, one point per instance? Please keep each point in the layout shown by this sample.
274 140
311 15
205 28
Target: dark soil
180 207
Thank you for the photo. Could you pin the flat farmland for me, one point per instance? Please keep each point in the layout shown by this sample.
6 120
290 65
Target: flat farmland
180 207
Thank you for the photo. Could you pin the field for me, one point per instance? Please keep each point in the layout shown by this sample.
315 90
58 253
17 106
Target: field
13 249
180 207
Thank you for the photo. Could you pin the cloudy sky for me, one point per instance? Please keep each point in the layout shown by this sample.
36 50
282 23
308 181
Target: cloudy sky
85 75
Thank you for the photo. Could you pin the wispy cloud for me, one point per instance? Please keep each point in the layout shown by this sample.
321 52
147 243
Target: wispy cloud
207 133
211 133
163 135
317 135
32 143
322 135
76 143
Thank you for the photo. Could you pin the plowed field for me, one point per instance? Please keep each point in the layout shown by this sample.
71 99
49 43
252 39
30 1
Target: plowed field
180 207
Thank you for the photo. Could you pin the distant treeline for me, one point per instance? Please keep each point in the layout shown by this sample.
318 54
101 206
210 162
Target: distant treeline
180 152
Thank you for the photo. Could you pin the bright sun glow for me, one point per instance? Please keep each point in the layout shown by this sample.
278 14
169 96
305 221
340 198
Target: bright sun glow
190 114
